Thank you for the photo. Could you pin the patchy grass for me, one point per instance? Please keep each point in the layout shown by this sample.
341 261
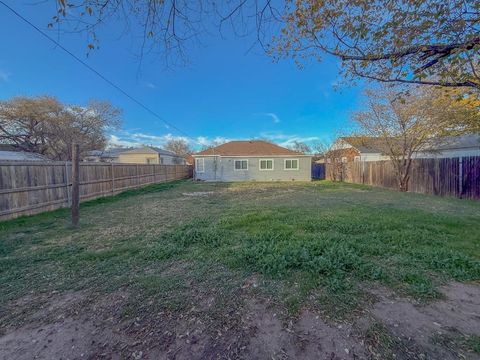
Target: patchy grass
314 244
472 343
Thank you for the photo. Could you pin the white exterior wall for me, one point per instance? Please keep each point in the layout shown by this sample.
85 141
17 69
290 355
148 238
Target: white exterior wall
426 155
169 160
373 157
222 169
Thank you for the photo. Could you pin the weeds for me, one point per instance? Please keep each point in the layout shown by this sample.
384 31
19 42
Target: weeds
315 243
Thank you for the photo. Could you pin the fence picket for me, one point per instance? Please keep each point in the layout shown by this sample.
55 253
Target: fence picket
457 177
32 187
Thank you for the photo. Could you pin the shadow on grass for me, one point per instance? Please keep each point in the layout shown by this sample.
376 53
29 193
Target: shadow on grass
62 213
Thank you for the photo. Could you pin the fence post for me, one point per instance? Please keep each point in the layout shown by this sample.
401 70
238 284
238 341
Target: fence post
138 178
154 177
75 184
363 172
113 177
67 184
460 176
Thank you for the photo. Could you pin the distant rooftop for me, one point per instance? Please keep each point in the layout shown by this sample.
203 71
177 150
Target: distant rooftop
150 150
375 145
21 156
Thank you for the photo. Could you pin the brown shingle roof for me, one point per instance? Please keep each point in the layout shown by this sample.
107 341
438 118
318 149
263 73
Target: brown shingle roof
248 148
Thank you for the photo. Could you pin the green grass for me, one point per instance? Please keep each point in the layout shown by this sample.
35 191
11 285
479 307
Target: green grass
472 343
315 244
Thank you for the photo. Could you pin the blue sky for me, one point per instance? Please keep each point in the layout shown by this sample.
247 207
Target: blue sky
226 92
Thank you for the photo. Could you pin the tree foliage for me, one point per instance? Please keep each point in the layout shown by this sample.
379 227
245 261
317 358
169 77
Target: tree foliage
402 126
412 41
46 126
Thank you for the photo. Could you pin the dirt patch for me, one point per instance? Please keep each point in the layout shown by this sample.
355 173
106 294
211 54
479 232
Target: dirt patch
307 337
69 338
418 325
88 326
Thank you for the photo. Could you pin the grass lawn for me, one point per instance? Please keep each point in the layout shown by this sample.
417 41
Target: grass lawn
322 246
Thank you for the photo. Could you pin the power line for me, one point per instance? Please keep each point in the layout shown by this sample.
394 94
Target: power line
100 75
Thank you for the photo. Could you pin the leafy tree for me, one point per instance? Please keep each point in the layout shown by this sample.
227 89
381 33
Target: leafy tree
434 42
46 126
402 126
411 41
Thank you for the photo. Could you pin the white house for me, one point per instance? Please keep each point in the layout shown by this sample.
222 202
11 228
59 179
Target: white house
141 155
347 149
252 161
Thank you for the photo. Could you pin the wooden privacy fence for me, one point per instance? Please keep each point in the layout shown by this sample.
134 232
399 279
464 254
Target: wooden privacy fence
458 177
33 187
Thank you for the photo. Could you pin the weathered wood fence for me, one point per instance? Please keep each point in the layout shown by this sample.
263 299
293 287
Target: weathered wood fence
458 177
33 187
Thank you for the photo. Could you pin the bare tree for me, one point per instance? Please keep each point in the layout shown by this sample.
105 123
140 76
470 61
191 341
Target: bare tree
402 126
300 147
179 147
320 148
212 144
46 126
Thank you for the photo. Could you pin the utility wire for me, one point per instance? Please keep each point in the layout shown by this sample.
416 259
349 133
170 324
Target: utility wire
100 75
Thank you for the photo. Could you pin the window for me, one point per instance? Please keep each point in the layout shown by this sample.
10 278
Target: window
266 164
241 164
291 164
200 165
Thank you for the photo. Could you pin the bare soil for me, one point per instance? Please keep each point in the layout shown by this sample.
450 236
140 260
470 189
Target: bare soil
76 325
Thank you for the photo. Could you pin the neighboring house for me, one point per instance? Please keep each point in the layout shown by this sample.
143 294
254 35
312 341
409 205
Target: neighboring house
150 155
108 155
252 160
349 149
189 159
21 156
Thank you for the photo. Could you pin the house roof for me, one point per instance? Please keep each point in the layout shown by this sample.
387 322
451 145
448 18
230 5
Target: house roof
459 142
21 156
150 150
114 152
368 145
249 148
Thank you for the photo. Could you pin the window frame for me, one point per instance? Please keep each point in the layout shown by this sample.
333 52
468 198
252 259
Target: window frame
235 165
291 169
203 165
266 159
